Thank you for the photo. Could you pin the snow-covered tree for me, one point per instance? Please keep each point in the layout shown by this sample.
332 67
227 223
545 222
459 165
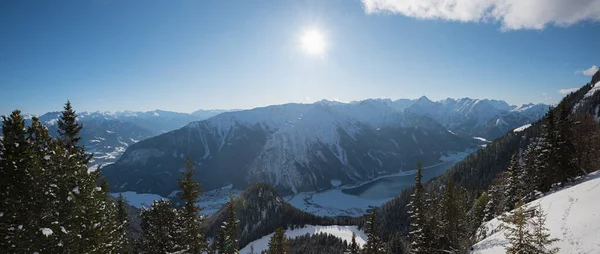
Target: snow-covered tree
420 233
159 230
513 186
353 248
227 240
374 244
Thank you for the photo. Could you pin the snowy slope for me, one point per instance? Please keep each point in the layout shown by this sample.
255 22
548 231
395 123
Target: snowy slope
573 216
342 232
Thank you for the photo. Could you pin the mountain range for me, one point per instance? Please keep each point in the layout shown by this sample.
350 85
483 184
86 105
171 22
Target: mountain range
305 147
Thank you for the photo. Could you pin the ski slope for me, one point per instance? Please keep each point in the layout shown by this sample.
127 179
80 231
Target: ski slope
573 217
342 232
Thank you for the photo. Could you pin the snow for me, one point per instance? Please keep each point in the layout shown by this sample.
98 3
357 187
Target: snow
592 91
522 128
76 190
47 157
47 232
342 232
481 139
572 217
335 182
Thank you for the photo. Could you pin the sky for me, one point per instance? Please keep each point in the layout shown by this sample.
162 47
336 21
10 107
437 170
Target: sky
108 55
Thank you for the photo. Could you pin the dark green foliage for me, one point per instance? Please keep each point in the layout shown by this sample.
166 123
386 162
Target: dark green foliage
51 203
397 244
279 244
229 244
514 186
541 237
451 229
374 244
519 238
420 234
353 247
318 244
159 232
123 237
190 220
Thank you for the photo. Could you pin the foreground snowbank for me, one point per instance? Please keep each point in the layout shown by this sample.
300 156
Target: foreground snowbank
573 218
342 232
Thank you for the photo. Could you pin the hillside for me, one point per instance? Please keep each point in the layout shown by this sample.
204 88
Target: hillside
476 172
572 217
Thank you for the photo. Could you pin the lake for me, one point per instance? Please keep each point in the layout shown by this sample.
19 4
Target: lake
389 187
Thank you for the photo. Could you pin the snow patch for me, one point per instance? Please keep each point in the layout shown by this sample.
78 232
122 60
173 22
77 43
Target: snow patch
572 217
522 128
342 232
335 182
47 232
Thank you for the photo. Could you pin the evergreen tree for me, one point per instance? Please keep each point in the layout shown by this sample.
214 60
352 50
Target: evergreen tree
279 244
159 232
529 174
396 244
123 238
192 236
373 245
219 245
541 236
68 130
546 151
478 212
517 234
353 248
564 154
452 224
513 187
420 234
230 229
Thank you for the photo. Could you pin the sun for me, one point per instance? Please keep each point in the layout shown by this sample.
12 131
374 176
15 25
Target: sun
313 42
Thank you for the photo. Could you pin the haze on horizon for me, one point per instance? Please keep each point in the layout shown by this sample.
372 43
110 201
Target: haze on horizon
184 56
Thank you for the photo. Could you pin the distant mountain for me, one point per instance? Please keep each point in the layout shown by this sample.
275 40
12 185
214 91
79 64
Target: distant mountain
294 147
108 134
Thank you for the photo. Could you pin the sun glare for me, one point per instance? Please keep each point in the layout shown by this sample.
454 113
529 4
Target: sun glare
313 42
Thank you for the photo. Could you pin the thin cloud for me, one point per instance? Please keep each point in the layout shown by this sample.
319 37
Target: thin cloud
307 98
588 72
512 14
567 90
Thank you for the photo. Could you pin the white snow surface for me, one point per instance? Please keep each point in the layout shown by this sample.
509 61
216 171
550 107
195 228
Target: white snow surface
342 232
592 91
573 216
481 139
522 128
47 232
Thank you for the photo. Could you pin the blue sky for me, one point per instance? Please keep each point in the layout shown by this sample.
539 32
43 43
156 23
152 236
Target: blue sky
186 55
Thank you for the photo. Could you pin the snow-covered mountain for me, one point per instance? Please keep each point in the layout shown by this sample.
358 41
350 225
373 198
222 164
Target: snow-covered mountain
108 134
572 217
294 147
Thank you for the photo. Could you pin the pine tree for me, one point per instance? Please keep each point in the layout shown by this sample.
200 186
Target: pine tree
546 152
452 223
353 248
565 157
517 233
279 244
159 232
420 234
478 212
230 229
373 245
513 187
529 174
192 236
396 245
83 206
541 236
123 238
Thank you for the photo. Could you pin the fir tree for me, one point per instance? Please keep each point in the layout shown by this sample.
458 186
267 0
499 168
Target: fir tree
529 174
192 236
230 229
353 247
564 155
159 232
396 244
420 234
541 236
452 224
517 234
373 245
478 212
513 186
546 151
279 244
123 236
